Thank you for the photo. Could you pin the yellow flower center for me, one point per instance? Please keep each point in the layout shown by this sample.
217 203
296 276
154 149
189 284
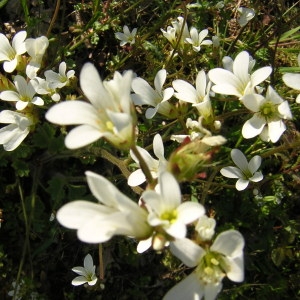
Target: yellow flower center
268 110
170 216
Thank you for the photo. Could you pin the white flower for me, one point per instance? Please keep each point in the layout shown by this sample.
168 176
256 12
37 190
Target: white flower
239 81
197 39
223 258
126 36
61 79
292 80
86 273
268 114
115 214
247 14
166 210
24 95
146 95
244 171
198 96
11 54
154 165
36 48
42 87
109 114
12 135
205 228
172 34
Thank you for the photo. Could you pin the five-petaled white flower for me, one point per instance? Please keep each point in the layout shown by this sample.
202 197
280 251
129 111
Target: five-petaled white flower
146 95
126 36
12 135
24 95
244 171
292 80
247 14
166 211
268 114
61 79
10 54
155 166
198 39
223 258
86 273
110 113
239 81
115 214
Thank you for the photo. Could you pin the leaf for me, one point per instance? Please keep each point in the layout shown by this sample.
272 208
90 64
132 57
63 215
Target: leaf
278 255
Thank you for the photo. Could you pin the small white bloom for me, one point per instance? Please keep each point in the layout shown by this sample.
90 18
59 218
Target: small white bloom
24 95
109 114
198 39
12 135
172 34
244 171
238 81
166 210
146 95
247 14
198 96
268 114
155 166
292 80
126 36
205 228
16 292
36 48
61 79
42 87
86 273
115 214
10 54
223 258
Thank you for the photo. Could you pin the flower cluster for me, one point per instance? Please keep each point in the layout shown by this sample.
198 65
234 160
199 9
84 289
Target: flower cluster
188 109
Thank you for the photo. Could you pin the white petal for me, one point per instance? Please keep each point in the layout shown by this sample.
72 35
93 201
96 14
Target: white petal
88 262
176 229
151 112
253 101
254 163
241 66
236 271
230 243
18 42
258 176
79 280
167 94
75 214
260 75
253 127
144 245
38 101
241 184
231 172
187 289
292 80
147 94
276 129
72 113
227 89
79 270
239 159
20 105
170 190
284 110
189 211
158 147
187 251
81 136
136 178
201 84
9 96
211 290
160 79
185 91
9 66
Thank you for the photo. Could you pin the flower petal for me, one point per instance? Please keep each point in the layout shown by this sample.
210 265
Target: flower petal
189 211
275 130
160 79
254 163
260 75
170 190
136 178
188 288
185 91
292 80
81 136
230 243
236 271
231 172
241 184
187 251
253 127
79 280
